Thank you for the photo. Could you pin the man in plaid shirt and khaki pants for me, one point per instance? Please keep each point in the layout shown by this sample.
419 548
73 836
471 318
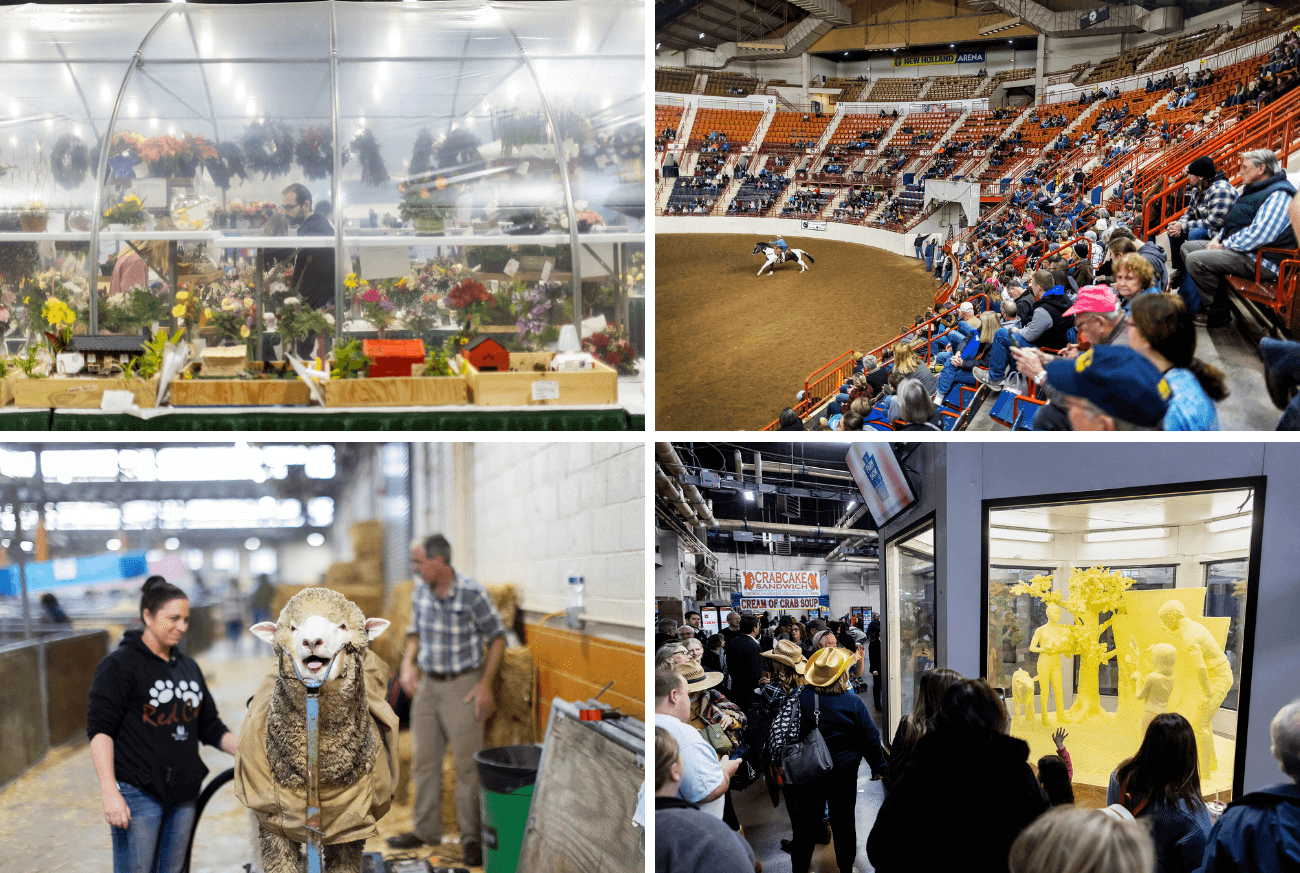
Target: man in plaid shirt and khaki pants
452 622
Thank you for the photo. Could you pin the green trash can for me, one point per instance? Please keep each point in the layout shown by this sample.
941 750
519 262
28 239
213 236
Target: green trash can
506 776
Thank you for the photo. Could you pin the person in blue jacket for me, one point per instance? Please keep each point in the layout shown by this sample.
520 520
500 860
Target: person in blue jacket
1260 831
781 244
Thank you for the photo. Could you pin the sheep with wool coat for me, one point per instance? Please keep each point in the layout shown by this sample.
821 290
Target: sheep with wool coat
357 764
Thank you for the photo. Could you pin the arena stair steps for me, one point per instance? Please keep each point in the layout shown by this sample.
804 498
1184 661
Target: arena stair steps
687 122
761 131
701 80
830 129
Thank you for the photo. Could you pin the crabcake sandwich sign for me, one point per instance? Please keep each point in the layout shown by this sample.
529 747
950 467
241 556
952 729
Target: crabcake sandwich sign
781 589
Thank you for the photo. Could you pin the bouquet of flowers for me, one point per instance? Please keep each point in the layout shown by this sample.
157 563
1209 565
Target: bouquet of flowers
611 347
60 317
233 316
473 299
190 311
128 210
533 306
295 320
376 307
170 156
589 218
131 311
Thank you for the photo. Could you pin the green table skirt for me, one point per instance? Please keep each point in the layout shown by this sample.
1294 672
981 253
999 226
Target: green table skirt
359 420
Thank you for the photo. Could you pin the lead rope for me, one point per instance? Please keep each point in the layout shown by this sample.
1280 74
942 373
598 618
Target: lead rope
314 833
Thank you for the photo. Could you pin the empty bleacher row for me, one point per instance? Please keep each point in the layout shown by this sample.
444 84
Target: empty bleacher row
891 89
737 125
1004 77
855 130
850 89
794 131
954 87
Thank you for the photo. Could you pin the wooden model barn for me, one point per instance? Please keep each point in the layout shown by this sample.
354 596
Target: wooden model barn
487 355
103 354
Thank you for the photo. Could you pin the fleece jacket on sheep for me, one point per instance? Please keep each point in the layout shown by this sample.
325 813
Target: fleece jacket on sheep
156 711
349 810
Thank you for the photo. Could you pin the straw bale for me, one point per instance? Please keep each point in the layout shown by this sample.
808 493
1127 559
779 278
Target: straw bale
368 539
391 643
506 599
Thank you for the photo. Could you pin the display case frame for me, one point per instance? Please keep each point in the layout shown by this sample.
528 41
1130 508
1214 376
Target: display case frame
893 666
529 52
1257 484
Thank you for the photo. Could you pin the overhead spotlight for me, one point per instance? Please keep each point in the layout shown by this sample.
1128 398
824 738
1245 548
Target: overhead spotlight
315 539
114 544
25 545
846 54
952 45
749 495
252 544
657 46
701 36
852 503
172 544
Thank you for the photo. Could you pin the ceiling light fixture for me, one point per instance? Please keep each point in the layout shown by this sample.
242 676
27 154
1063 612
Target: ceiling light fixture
1234 523
1130 533
749 495
1019 535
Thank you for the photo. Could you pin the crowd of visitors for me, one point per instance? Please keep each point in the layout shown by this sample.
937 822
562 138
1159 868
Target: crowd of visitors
794 727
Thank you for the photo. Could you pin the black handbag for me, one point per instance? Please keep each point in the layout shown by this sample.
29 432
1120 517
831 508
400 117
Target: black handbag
806 760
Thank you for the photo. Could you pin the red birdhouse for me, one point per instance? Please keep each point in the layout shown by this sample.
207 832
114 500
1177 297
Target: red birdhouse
486 354
390 357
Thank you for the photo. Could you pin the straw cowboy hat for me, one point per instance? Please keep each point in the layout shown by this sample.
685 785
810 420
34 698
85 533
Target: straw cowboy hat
787 653
827 665
696 678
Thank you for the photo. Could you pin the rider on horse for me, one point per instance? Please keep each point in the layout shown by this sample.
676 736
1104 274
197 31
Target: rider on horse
781 244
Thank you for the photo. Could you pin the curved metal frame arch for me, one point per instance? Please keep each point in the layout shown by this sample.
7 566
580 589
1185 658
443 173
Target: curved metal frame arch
564 174
92 261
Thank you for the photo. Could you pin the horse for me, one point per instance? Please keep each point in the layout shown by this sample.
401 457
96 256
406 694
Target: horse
773 255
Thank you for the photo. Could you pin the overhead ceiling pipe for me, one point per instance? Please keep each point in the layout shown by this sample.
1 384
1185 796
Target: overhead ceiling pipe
758 480
670 491
778 527
799 469
674 467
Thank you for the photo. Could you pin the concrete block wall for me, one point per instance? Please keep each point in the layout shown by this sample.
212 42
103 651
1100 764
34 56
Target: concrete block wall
529 513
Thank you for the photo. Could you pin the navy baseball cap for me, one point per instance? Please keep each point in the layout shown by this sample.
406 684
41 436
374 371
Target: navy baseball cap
1120 381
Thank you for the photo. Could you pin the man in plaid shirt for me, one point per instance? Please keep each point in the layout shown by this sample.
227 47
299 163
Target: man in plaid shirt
452 622
1209 197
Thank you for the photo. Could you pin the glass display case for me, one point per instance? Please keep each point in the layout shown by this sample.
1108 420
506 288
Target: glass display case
1107 610
910 617
265 175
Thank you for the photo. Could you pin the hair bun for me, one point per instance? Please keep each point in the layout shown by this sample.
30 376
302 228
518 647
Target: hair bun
153 582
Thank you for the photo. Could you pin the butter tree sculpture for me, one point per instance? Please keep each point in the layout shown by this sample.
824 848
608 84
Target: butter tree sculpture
1092 592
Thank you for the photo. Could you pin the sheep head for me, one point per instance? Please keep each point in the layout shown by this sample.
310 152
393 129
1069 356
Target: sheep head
314 626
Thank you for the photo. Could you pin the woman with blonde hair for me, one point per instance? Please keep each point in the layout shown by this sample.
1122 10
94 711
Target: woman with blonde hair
670 654
958 369
1070 839
908 366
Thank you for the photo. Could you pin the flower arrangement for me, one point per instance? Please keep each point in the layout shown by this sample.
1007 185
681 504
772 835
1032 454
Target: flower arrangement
295 320
589 218
46 285
422 202
376 307
473 300
233 317
131 311
534 306
128 210
190 311
60 317
611 347
349 361
172 156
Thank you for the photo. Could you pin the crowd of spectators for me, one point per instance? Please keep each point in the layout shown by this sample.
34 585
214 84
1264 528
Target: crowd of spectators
728 709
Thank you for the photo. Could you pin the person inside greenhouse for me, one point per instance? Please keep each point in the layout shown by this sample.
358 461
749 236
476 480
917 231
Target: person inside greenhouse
313 269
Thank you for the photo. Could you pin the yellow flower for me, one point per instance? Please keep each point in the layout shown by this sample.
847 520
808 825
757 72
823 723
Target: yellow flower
178 310
207 313
350 281
182 295
248 301
243 331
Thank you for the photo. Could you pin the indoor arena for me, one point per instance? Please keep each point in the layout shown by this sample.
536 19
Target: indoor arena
1008 149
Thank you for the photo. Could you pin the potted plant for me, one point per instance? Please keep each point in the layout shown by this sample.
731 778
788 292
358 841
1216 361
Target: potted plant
127 212
422 205
33 217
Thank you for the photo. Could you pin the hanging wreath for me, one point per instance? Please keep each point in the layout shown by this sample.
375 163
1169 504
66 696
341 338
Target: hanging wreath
373 171
268 147
69 161
228 163
316 153
421 153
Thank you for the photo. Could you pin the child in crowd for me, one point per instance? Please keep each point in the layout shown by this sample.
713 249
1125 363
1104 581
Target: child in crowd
1055 772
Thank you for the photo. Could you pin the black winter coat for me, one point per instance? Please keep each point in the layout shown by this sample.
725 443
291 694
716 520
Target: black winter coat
981 792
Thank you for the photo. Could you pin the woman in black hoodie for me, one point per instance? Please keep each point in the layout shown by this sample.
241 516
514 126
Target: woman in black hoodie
968 774
149 708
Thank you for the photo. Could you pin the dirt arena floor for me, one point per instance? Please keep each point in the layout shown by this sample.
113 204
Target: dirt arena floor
733 348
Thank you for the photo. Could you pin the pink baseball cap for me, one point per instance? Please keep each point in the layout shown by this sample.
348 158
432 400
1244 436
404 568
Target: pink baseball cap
1094 298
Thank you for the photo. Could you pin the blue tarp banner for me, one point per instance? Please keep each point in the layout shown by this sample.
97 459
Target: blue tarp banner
45 575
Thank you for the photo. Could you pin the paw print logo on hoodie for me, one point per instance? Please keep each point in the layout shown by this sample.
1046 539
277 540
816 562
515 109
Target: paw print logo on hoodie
162 692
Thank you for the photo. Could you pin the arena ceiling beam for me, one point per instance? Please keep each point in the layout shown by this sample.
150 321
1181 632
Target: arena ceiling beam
1124 18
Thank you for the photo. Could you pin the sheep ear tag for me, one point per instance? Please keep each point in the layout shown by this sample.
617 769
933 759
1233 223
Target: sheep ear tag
264 630
376 626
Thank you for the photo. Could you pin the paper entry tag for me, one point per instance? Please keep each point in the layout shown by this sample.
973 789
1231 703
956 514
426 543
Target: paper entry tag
512 267
546 389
